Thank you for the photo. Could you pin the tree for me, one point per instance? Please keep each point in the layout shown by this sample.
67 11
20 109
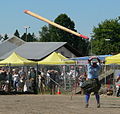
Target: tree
17 34
1 37
23 37
106 37
5 37
44 34
53 34
30 38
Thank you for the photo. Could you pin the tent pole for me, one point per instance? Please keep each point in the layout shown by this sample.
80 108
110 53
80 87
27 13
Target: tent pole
106 74
64 76
36 81
75 81
9 77
114 91
75 78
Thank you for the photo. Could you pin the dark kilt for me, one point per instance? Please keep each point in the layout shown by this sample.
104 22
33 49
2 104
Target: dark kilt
91 85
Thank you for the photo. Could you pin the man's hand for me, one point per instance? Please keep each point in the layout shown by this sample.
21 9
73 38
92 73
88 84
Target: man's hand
93 57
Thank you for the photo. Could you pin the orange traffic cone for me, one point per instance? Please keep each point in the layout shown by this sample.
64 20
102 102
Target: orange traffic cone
58 92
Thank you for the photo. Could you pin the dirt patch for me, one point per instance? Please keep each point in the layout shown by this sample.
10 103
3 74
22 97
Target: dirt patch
56 104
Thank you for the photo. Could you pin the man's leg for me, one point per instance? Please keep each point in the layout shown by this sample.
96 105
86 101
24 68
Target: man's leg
87 97
97 99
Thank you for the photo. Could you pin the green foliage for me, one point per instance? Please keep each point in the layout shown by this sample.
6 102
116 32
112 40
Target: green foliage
109 29
1 37
23 37
17 34
53 34
44 34
29 37
5 37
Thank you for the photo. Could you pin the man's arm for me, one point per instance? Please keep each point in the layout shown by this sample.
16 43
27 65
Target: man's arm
98 60
89 60
93 57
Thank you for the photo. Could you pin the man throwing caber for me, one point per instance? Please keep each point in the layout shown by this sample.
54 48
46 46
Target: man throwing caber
92 83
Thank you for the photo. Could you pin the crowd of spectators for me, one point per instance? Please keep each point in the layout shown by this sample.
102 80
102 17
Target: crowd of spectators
30 79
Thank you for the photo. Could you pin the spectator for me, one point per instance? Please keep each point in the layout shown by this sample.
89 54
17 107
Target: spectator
32 78
52 83
16 79
22 79
41 82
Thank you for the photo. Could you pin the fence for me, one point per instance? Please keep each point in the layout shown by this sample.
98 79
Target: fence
28 79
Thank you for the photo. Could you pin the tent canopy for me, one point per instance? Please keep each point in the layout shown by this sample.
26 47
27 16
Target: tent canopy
56 59
15 59
115 59
101 57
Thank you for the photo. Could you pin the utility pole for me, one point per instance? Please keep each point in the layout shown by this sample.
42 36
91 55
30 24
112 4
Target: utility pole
107 40
26 29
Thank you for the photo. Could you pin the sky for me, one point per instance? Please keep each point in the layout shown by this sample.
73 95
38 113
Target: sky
86 14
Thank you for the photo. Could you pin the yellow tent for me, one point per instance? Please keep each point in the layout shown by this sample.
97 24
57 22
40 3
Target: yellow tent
56 59
15 59
115 59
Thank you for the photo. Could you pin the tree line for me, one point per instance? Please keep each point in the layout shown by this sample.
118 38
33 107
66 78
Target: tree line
105 38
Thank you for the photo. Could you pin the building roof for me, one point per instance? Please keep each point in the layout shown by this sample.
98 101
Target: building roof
10 44
36 50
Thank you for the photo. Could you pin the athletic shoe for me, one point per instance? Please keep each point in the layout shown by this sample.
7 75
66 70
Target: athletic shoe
98 105
86 106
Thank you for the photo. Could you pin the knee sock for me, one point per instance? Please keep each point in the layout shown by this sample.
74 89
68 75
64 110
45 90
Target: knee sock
87 97
97 98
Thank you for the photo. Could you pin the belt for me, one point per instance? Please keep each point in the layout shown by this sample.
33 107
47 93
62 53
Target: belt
93 79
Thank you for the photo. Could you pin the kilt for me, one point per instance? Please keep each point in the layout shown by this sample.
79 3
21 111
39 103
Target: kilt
91 85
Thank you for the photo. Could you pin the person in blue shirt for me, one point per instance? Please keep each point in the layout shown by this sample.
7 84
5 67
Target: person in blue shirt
92 83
